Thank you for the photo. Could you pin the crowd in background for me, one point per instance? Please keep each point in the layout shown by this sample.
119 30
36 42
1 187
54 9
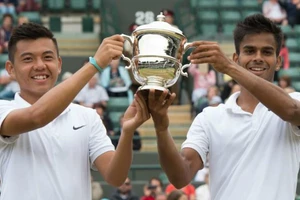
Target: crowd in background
116 81
156 189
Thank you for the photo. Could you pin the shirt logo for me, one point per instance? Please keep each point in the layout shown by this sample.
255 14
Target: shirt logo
78 127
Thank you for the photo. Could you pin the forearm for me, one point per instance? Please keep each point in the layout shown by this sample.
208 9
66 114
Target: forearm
49 106
171 161
272 96
59 97
121 161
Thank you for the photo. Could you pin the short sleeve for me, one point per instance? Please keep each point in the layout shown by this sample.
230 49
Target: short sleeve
197 137
5 108
99 142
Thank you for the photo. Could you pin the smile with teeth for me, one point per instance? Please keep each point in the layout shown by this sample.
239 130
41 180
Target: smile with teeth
257 69
40 77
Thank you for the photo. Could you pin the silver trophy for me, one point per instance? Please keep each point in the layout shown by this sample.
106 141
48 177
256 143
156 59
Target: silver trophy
157 50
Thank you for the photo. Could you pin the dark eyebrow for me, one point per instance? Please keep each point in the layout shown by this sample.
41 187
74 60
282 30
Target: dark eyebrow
269 48
253 47
30 54
48 52
248 47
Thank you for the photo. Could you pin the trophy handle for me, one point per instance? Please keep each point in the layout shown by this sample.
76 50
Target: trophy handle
187 46
182 68
129 39
128 60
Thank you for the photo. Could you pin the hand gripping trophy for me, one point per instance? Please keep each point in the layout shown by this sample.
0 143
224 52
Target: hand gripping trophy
157 50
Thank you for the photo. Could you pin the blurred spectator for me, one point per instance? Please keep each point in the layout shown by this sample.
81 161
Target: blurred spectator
202 192
215 101
235 88
189 190
92 93
10 86
124 192
66 75
292 8
107 122
28 5
97 190
285 83
22 20
284 53
152 189
203 79
169 17
161 196
8 6
5 32
137 143
212 98
227 88
177 195
272 10
132 27
116 80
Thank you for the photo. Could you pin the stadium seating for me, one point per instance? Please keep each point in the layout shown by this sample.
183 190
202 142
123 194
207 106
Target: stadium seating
87 24
294 59
293 45
55 5
117 104
33 16
229 4
115 118
96 5
78 5
293 73
3 59
55 23
208 16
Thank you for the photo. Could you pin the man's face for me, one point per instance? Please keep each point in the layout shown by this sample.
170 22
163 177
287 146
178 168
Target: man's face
7 22
126 187
36 67
93 82
169 19
115 63
161 197
258 55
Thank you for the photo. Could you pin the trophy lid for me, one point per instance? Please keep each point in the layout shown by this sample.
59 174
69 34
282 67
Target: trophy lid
160 25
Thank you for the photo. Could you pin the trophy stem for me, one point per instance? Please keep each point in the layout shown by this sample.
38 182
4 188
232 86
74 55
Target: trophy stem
154 82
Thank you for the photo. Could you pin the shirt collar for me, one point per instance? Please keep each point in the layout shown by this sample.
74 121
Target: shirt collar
231 103
21 103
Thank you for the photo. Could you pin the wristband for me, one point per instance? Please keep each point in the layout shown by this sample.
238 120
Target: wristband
94 63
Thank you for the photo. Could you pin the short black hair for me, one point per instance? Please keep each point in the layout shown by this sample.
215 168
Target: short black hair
28 31
257 23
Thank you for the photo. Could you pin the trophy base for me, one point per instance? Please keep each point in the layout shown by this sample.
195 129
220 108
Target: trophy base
144 90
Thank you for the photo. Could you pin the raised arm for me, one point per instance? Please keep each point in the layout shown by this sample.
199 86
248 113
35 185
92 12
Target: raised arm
269 94
114 166
51 104
179 167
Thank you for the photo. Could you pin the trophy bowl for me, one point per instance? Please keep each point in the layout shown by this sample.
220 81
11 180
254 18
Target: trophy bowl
156 54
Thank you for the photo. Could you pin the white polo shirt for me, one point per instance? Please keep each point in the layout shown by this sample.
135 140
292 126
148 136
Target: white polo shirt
52 162
251 156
